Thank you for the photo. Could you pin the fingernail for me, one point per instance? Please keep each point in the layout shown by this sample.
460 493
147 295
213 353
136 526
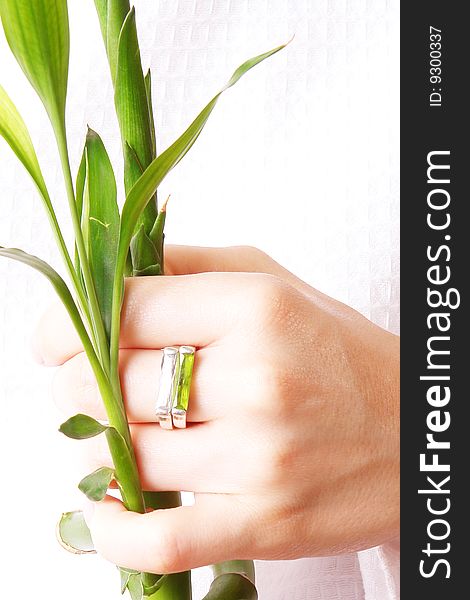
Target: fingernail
88 510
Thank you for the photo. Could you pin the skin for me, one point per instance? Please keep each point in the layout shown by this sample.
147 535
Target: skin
292 448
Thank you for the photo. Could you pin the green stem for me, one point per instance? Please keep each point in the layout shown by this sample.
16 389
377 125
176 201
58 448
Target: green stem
111 395
127 467
245 567
62 246
118 294
98 325
175 587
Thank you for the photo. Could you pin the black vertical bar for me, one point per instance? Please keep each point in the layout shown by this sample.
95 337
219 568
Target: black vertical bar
428 127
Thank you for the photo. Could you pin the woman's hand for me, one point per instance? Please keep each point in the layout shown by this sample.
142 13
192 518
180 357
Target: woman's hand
292 446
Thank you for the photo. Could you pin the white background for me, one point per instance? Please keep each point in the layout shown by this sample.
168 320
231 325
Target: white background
300 159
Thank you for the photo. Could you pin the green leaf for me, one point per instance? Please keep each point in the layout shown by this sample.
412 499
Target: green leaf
38 34
54 278
96 484
144 254
62 291
131 93
157 234
80 184
232 586
124 579
132 110
73 534
122 456
125 574
148 89
148 183
133 168
134 586
100 222
82 427
117 13
102 10
79 196
13 129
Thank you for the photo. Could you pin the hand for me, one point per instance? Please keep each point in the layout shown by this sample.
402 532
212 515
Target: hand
292 448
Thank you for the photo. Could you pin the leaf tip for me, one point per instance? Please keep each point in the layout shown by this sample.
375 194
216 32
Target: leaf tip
163 207
91 134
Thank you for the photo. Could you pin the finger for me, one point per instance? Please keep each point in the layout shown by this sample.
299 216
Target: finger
215 390
160 311
206 457
182 260
171 540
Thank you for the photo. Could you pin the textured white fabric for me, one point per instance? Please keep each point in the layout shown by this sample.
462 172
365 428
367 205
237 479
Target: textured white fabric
300 159
380 568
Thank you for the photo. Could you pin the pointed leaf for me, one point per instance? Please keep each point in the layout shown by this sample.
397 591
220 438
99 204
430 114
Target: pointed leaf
144 253
96 484
54 278
157 234
13 129
73 534
59 286
131 94
38 34
15 132
124 579
125 574
82 427
232 586
135 588
148 183
132 110
100 222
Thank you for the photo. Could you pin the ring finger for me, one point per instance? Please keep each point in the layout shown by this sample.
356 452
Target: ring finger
215 390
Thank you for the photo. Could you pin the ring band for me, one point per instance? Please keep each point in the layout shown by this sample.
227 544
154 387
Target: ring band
185 374
167 388
175 384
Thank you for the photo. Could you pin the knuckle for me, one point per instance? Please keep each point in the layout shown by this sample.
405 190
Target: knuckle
273 388
278 460
166 552
250 253
269 299
283 459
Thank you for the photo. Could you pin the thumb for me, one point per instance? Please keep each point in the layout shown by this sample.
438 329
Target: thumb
171 540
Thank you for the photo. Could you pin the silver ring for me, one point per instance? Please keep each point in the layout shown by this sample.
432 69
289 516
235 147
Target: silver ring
175 384
167 388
